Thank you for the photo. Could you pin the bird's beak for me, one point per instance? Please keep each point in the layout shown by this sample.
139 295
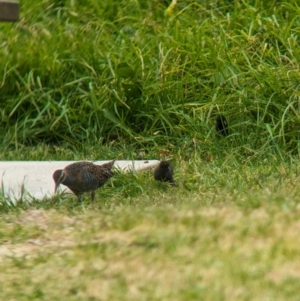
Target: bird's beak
56 186
57 183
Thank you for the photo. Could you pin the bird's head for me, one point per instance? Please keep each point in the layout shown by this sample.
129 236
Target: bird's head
221 121
58 177
165 165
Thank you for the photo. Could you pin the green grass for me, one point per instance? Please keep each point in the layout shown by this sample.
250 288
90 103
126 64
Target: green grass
229 231
97 72
92 80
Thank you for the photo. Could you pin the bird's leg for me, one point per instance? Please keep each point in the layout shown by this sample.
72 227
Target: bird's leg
93 195
79 197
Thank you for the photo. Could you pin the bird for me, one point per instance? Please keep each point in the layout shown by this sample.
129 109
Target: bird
81 177
164 172
222 125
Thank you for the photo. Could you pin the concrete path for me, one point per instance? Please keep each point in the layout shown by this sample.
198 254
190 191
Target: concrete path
36 176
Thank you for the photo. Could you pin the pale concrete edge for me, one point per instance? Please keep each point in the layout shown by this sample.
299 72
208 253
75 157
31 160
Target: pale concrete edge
21 193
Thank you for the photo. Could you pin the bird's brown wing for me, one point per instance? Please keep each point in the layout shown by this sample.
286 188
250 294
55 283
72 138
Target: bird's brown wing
78 179
85 181
86 176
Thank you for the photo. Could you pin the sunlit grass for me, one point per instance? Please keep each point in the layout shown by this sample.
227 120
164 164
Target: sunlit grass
231 235
229 231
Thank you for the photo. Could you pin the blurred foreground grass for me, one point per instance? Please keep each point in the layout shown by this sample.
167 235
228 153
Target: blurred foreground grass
230 231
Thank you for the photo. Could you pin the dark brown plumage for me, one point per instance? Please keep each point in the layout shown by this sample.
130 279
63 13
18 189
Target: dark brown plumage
81 177
222 125
164 172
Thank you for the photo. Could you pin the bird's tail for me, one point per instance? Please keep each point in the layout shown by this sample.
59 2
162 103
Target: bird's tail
108 165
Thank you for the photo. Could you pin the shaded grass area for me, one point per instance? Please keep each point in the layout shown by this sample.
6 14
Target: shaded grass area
94 72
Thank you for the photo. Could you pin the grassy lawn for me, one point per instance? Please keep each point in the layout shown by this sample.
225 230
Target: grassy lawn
134 79
223 234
